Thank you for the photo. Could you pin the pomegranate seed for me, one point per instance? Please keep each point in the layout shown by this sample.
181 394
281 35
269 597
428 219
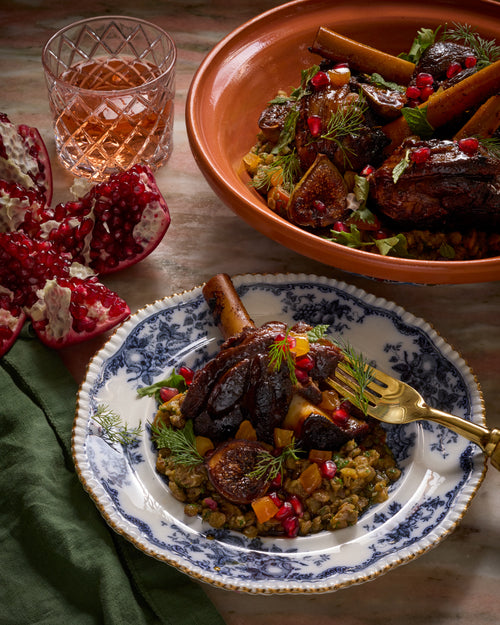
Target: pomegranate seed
413 92
340 226
470 61
210 503
320 80
366 171
421 155
298 508
291 526
302 376
187 374
454 69
305 362
285 511
340 416
277 481
314 123
469 146
292 341
340 65
167 392
424 80
426 93
319 206
328 469
275 499
381 233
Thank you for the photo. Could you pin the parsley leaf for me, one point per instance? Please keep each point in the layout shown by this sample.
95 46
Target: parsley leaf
173 381
401 167
447 251
396 245
380 81
416 118
317 333
425 38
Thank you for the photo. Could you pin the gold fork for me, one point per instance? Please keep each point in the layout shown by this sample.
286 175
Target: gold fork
392 401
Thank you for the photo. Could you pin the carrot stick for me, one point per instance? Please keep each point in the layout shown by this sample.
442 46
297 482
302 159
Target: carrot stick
484 122
226 306
444 106
336 47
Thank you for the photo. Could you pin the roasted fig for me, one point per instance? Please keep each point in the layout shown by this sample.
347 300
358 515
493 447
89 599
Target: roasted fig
229 469
320 198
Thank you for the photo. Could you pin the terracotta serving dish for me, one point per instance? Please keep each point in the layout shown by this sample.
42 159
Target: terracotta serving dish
243 72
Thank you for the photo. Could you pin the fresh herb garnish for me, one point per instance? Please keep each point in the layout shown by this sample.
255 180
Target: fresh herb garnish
279 352
361 192
416 118
305 77
287 134
173 381
396 245
399 169
317 333
285 165
346 120
486 51
269 466
447 251
425 38
356 366
349 239
180 442
492 144
380 81
113 429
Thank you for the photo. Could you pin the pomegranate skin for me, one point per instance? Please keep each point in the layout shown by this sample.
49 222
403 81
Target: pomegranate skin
24 158
50 257
65 301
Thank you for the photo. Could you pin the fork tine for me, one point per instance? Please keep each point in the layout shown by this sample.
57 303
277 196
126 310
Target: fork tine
380 383
342 389
350 382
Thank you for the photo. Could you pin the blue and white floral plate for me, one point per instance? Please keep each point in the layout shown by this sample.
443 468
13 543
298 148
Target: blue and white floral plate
441 471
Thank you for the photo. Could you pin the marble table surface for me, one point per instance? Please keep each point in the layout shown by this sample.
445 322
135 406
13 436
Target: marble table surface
454 584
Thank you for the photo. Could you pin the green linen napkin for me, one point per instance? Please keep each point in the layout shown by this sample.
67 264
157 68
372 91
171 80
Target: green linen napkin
60 563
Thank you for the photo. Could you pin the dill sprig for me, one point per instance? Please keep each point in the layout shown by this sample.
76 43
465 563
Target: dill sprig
492 144
269 466
288 165
113 428
181 442
279 352
486 51
345 121
356 366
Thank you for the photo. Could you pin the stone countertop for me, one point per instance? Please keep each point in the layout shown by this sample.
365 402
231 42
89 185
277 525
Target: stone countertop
457 582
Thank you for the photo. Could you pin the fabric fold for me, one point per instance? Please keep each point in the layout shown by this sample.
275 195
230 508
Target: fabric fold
60 562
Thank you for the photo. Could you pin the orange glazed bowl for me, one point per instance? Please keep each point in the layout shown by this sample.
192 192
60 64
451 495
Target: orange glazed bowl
244 71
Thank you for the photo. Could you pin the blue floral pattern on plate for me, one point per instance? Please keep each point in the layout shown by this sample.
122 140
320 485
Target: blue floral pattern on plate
440 470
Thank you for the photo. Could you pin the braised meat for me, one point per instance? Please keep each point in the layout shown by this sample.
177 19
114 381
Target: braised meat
346 151
272 120
450 189
239 383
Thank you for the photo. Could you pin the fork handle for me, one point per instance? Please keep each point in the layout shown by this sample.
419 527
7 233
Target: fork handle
488 440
